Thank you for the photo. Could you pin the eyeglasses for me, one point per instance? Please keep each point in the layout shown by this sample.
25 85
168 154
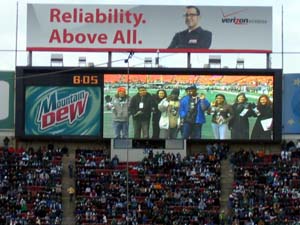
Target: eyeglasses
190 15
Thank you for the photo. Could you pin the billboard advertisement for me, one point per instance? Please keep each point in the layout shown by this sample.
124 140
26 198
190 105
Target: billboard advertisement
62 111
148 28
291 104
7 100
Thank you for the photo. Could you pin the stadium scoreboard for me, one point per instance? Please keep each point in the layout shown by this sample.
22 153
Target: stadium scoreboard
70 102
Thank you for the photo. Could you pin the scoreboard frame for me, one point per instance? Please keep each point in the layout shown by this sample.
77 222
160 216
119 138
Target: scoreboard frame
94 77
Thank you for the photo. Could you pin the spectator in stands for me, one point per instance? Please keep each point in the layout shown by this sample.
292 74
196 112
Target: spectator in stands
298 145
170 121
6 142
239 124
70 168
65 150
115 161
104 219
290 146
119 106
141 107
286 154
222 113
191 112
71 192
158 97
262 129
222 217
58 189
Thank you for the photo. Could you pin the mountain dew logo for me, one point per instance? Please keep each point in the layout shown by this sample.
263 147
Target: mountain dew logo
53 110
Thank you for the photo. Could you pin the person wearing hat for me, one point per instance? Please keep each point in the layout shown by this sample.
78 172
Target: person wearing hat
169 120
191 112
119 106
222 113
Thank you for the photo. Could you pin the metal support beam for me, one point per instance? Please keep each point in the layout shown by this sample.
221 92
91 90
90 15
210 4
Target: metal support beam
109 61
268 61
29 58
189 65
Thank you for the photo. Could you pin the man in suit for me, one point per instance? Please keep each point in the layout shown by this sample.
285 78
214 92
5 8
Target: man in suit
194 36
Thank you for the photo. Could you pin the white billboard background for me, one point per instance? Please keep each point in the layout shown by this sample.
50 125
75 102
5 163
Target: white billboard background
160 25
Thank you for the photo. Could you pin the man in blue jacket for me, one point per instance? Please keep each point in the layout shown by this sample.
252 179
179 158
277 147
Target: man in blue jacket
191 112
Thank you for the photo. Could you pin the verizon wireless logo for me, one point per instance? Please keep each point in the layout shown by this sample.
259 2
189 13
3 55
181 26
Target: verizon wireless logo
231 18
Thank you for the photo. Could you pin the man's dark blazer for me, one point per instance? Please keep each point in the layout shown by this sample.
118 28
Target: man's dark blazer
197 38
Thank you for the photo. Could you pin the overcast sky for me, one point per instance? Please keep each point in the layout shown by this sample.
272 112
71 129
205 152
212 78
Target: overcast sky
291 34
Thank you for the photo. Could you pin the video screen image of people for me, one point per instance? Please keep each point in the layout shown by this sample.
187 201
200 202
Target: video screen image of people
188 107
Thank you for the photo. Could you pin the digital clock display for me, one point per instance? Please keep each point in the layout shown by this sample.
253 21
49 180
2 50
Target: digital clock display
85 79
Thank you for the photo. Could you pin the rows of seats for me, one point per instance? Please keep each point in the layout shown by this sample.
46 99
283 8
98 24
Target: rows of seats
266 189
30 186
162 189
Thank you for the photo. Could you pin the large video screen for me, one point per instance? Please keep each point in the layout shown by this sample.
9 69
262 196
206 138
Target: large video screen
183 106
62 111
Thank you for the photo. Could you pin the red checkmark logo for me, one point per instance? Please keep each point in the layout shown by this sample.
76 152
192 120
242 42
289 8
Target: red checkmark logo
232 13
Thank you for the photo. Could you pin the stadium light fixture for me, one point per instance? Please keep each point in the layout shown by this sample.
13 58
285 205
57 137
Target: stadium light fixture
214 61
82 61
57 60
240 63
147 61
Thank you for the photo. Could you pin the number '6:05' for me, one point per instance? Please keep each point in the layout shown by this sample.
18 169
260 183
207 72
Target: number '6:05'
85 79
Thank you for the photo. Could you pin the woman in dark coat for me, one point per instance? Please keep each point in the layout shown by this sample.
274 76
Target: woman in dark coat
158 97
239 124
262 129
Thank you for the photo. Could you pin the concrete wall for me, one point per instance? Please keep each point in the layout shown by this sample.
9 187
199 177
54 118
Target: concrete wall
139 154
134 155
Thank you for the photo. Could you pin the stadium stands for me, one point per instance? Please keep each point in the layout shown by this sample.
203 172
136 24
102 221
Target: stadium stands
30 186
163 188
266 188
